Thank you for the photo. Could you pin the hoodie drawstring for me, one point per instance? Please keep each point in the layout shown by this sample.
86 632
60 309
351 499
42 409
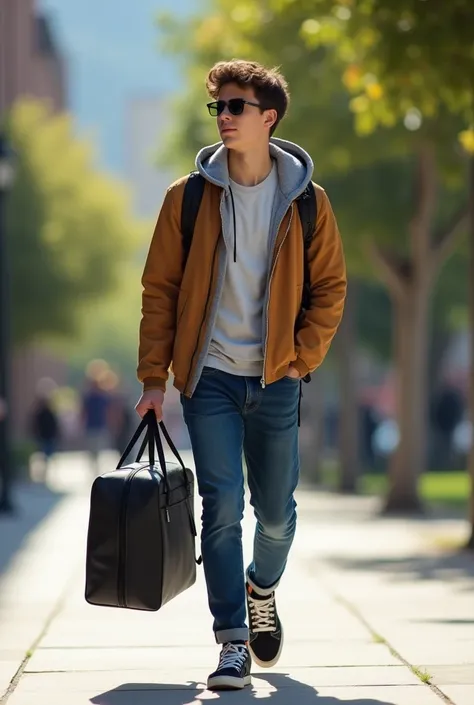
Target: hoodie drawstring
235 225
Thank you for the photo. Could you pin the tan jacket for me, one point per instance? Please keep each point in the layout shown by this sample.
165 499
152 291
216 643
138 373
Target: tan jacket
177 305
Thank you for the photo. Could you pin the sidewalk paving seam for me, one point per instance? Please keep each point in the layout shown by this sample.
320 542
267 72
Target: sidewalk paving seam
55 611
396 654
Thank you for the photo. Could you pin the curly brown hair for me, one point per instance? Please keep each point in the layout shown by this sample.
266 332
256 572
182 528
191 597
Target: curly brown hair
269 85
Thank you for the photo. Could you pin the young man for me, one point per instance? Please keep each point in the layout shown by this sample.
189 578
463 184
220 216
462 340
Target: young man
227 321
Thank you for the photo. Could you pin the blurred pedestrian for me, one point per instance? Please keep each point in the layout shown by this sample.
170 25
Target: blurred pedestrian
95 416
120 421
368 425
45 430
447 413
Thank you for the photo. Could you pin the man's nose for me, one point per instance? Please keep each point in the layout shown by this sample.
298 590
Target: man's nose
223 121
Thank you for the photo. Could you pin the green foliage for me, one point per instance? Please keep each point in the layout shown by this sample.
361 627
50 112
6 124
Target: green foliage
111 329
451 292
69 227
401 60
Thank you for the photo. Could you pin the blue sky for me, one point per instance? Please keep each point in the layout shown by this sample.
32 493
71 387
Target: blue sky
111 49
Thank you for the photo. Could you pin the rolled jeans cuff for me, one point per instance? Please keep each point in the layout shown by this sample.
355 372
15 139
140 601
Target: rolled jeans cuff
225 635
264 592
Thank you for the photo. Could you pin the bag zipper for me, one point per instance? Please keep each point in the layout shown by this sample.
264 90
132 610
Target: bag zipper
122 557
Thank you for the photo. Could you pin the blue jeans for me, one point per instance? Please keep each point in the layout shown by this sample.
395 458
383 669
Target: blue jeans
227 416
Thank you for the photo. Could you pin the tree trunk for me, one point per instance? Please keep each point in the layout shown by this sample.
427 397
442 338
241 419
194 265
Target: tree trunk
349 435
410 280
470 543
411 335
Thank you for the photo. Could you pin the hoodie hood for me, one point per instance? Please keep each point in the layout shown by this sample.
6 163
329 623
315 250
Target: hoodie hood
294 166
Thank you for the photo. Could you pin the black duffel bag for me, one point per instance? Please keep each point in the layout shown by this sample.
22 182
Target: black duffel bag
141 536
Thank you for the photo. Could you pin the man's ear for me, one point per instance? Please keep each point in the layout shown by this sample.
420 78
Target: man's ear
271 117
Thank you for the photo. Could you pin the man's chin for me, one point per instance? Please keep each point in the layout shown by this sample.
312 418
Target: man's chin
229 137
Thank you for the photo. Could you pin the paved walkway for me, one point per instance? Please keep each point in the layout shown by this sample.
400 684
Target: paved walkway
371 609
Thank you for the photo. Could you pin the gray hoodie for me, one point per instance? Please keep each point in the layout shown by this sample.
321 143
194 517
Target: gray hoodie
294 171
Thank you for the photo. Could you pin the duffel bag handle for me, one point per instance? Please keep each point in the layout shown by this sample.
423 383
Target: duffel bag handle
141 427
152 421
154 439
151 438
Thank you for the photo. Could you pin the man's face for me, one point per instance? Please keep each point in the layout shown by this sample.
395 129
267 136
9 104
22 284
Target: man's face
243 132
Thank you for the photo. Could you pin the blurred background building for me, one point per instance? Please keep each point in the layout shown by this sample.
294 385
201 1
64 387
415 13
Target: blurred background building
147 118
33 65
30 56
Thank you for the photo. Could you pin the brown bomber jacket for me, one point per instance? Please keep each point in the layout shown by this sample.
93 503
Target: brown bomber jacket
176 305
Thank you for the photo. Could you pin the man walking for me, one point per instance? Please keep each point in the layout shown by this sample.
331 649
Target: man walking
227 316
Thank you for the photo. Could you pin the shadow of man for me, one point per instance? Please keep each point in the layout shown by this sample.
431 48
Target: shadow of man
289 691
278 689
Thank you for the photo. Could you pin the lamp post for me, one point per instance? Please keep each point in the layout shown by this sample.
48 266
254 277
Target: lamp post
7 175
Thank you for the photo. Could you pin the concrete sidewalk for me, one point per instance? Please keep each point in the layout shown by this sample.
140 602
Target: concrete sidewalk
370 607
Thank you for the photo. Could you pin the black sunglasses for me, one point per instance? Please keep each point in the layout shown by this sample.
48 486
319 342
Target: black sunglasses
236 106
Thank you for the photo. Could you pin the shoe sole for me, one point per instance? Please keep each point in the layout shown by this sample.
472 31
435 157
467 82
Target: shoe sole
273 662
228 683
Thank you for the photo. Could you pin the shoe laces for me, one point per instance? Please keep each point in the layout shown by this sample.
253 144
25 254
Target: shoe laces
233 656
262 614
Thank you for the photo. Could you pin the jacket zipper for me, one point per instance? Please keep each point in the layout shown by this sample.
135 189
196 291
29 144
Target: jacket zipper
122 556
203 321
205 315
262 381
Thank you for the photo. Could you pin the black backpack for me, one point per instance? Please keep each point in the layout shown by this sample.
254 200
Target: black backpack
307 209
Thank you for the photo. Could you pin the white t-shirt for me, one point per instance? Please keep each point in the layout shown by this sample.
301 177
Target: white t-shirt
236 344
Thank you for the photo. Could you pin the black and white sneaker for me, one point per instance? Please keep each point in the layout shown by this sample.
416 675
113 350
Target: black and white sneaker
266 631
233 671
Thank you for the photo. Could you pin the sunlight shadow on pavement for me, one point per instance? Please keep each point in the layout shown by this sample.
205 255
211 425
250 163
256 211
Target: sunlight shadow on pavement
275 688
34 503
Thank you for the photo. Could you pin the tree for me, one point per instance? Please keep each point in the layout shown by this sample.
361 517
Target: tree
406 62
69 227
386 55
111 333
395 190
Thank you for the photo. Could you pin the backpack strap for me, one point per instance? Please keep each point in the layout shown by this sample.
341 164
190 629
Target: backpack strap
308 212
192 197
307 209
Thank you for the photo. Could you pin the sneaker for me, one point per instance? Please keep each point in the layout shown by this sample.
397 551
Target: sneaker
233 671
266 631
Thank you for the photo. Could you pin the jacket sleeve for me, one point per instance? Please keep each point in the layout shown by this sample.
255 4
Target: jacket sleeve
328 290
161 281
